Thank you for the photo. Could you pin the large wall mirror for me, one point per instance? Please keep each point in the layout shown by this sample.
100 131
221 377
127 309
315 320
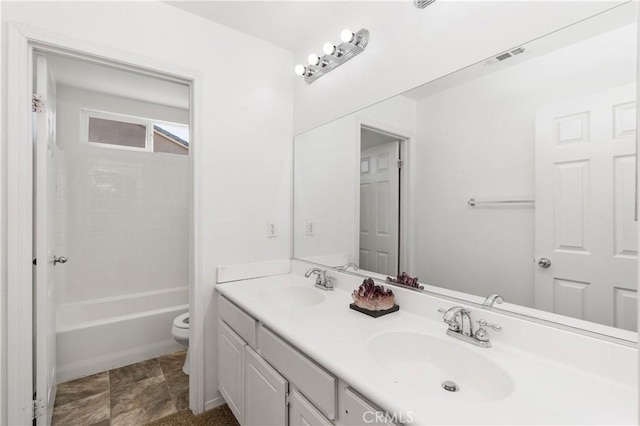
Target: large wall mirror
516 176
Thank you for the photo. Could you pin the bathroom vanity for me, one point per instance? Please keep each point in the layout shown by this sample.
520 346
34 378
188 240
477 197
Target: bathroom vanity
290 353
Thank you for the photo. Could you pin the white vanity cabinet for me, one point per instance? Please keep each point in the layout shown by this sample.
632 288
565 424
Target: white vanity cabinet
303 413
317 384
267 381
231 352
266 392
357 411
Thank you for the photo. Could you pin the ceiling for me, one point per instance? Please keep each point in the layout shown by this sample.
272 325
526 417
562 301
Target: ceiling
370 138
573 36
118 82
287 24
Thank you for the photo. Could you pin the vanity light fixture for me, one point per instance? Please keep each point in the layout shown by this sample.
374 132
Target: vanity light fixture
331 49
334 55
300 69
347 36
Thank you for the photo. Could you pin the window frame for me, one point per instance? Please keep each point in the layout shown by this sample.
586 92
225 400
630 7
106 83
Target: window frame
86 114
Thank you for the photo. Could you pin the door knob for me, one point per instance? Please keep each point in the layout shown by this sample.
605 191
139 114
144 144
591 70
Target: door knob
60 259
544 263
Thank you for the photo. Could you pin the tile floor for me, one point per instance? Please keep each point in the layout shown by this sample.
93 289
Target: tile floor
133 395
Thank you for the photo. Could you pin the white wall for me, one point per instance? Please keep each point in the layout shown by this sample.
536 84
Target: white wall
3 250
409 47
327 180
247 126
124 213
478 140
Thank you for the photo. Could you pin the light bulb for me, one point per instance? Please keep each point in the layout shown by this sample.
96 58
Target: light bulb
347 36
313 59
300 69
329 48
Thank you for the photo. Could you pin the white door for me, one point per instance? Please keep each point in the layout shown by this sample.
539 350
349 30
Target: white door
303 413
265 392
231 369
44 231
585 198
380 208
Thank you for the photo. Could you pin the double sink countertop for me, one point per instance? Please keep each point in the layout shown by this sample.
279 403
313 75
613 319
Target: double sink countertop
399 362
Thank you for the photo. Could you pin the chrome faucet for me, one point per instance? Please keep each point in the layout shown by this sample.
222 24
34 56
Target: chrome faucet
459 321
323 281
344 268
493 299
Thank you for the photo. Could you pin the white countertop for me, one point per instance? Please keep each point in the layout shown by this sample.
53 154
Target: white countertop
336 337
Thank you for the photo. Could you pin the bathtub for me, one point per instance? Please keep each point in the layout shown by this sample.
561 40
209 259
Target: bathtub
101 334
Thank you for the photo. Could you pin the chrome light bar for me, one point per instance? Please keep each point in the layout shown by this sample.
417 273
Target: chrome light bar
352 45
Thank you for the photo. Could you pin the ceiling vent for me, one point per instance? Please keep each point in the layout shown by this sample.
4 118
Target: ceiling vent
504 56
421 4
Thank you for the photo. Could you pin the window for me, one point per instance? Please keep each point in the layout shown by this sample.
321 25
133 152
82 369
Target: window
134 133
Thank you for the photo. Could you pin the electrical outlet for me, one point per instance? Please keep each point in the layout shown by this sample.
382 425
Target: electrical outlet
310 227
272 228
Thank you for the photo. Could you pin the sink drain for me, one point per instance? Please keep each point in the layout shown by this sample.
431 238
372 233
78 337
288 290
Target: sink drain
449 386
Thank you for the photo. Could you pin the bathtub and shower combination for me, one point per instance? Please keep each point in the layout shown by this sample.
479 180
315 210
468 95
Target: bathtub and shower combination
101 334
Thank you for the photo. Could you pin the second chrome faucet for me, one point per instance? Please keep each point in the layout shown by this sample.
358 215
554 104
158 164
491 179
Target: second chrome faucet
323 281
460 326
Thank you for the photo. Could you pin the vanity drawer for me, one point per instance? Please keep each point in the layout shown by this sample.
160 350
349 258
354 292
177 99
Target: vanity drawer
302 412
312 380
241 322
359 412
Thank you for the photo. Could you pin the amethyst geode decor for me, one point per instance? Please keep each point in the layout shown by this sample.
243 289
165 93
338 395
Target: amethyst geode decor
406 280
372 297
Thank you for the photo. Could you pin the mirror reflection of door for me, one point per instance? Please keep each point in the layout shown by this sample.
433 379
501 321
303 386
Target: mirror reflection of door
585 195
379 202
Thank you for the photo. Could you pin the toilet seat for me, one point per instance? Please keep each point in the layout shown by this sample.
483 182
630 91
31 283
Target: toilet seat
182 321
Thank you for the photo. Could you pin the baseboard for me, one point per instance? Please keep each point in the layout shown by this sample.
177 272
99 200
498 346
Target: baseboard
214 403
116 360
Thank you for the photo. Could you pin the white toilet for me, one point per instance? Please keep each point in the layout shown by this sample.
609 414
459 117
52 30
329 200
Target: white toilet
180 331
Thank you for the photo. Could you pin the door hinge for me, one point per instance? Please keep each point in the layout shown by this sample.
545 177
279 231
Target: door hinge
38 408
286 398
399 164
37 103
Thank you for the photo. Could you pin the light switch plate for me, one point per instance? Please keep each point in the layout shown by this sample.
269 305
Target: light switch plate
272 228
310 227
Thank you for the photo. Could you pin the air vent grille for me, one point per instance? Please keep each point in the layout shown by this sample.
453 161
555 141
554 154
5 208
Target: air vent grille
421 4
506 55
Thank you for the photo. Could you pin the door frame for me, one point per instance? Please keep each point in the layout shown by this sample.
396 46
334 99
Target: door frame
23 41
407 178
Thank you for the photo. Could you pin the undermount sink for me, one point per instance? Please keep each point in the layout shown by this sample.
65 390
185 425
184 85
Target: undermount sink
426 362
292 295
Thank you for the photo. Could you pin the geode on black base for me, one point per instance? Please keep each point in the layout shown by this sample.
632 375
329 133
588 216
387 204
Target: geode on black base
373 297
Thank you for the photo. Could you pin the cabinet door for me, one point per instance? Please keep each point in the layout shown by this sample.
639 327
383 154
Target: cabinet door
265 392
231 369
303 413
359 412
